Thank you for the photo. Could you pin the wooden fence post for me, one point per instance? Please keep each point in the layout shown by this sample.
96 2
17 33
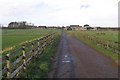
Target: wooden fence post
38 46
8 65
108 42
24 61
33 49
48 40
51 37
41 45
45 42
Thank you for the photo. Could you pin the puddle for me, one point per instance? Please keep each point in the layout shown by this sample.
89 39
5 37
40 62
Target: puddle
66 61
66 55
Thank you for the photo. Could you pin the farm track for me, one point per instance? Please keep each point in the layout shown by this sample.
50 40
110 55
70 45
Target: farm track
77 60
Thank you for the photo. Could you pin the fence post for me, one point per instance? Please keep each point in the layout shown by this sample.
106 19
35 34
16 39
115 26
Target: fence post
48 40
38 46
41 44
108 42
33 49
24 61
51 37
8 65
45 42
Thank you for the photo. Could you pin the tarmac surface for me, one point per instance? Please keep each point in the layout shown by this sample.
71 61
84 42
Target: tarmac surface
74 59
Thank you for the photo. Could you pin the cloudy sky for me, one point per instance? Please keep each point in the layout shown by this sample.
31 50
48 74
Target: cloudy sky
60 12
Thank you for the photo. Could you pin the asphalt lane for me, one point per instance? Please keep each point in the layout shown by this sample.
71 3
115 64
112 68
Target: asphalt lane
74 59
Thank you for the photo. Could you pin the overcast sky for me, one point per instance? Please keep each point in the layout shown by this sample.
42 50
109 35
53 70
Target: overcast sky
60 12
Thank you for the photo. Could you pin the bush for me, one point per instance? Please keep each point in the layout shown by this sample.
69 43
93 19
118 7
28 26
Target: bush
44 67
69 28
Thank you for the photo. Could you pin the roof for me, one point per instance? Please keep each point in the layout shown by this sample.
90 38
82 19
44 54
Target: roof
75 26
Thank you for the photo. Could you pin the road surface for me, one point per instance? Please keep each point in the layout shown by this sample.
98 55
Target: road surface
74 59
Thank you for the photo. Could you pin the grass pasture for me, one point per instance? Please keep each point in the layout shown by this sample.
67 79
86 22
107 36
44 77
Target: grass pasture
13 37
106 35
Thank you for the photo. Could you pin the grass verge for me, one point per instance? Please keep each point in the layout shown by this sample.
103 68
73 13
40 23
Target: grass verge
94 46
39 67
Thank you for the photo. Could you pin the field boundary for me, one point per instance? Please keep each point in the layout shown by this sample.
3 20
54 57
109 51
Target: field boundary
17 60
110 45
12 47
107 47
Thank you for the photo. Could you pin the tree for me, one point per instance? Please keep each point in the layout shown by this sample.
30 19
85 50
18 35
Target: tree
69 28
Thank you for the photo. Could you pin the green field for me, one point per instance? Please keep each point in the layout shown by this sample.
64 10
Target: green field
13 37
106 35
40 66
109 35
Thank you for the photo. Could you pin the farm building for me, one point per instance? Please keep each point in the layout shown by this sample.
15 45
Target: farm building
86 27
73 27
42 27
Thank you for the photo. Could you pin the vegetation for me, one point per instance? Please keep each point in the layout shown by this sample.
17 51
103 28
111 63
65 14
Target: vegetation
101 35
13 37
18 36
69 28
39 67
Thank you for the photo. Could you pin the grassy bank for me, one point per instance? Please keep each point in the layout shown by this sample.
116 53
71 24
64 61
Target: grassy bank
108 35
39 67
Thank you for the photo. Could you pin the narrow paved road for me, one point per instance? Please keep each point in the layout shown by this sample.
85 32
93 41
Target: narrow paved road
77 60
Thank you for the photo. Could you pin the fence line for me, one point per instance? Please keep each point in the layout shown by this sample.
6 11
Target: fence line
16 61
110 45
